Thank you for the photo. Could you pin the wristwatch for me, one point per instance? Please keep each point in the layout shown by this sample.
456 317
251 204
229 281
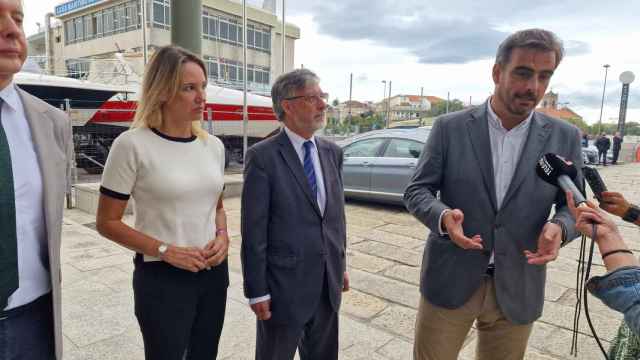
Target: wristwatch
162 249
564 240
632 214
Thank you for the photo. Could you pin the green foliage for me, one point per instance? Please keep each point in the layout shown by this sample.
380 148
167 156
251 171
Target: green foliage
630 128
579 123
440 107
361 123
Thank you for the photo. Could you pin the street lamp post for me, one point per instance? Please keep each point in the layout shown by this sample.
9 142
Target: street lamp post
384 97
388 107
604 87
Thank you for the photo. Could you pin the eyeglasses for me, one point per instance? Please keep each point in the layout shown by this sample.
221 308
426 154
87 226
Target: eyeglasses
312 99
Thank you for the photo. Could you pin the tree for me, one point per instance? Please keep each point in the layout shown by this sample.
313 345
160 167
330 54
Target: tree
440 107
579 123
335 102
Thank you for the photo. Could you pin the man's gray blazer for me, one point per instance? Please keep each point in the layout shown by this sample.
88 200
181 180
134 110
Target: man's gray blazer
457 162
53 144
288 247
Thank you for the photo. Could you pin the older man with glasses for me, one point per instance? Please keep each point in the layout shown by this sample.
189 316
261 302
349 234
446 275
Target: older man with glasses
293 228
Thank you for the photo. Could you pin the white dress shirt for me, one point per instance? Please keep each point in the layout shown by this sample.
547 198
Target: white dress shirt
298 144
33 269
506 148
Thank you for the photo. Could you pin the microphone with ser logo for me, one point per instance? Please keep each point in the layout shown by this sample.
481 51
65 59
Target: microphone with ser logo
559 172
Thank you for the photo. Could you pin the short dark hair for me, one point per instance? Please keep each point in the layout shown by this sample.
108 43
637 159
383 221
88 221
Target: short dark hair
538 39
286 84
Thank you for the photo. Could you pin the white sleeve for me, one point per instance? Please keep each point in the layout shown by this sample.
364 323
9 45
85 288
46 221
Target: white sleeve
119 173
222 155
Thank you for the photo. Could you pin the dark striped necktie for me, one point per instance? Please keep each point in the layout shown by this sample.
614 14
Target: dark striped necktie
8 237
309 170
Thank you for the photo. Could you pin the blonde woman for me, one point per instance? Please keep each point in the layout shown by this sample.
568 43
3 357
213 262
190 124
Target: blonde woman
174 172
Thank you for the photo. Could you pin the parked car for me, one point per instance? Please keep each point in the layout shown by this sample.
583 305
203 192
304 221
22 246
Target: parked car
379 164
590 154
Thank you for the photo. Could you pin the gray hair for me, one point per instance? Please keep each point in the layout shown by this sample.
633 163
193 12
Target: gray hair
286 84
538 39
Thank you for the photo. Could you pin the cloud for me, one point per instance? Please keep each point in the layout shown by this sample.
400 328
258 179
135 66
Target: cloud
575 48
593 98
453 31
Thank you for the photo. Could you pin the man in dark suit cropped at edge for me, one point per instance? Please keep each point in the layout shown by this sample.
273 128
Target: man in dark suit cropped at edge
293 228
484 260
35 145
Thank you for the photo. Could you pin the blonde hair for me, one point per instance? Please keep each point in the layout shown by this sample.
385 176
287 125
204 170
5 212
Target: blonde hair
161 82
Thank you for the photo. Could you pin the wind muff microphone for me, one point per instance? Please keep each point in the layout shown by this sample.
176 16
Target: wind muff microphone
559 172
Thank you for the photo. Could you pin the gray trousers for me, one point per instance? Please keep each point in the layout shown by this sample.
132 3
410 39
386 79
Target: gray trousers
315 340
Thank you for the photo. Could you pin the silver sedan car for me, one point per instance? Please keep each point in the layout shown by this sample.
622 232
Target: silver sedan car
379 164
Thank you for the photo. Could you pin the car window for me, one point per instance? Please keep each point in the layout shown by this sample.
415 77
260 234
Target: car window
401 148
364 148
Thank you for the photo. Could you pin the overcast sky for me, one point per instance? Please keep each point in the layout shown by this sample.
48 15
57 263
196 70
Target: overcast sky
449 46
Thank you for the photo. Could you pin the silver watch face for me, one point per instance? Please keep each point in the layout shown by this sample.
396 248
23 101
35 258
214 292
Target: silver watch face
162 249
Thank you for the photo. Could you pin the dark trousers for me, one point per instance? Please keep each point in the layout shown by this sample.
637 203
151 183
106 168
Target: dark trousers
602 157
616 152
180 313
26 332
315 340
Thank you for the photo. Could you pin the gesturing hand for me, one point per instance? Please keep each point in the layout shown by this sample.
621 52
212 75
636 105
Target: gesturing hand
548 245
452 221
186 258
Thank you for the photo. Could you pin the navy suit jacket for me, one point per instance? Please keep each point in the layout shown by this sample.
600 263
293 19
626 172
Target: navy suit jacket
288 246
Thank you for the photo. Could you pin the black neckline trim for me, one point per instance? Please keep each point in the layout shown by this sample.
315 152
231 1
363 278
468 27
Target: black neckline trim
173 138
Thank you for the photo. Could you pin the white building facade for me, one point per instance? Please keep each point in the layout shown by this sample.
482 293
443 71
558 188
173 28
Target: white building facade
91 32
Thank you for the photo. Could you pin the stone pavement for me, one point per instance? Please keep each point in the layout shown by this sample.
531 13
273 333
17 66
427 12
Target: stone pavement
378 314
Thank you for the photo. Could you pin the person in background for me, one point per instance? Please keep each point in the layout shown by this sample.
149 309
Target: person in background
617 145
603 144
35 151
585 140
174 171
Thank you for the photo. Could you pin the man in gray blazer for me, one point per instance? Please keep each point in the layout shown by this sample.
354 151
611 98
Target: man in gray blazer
35 143
293 228
484 260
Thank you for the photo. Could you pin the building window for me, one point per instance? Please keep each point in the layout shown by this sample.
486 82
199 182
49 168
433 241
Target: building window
108 21
120 18
229 72
97 18
218 27
77 68
161 13
89 27
131 16
70 31
120 23
79 25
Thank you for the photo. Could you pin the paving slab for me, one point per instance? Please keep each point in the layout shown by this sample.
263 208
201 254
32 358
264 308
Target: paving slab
378 315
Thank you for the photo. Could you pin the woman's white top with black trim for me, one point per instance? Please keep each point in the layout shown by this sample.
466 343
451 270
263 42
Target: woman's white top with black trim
175 184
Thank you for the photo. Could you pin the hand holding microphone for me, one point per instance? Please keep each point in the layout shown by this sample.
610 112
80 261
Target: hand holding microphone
558 172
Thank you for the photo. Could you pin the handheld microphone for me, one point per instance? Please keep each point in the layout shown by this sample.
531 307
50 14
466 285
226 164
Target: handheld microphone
559 172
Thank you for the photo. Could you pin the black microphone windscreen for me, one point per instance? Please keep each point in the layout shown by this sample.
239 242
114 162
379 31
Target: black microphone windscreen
550 166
